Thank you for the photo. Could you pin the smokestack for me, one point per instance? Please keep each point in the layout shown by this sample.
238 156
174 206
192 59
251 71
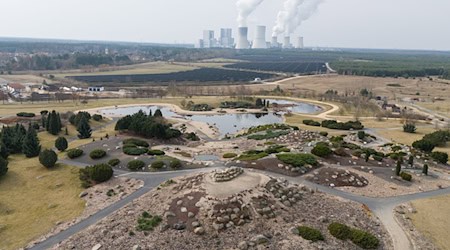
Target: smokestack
287 42
242 42
299 44
260 38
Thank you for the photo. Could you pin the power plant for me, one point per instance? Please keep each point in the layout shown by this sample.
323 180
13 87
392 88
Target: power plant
259 41
260 38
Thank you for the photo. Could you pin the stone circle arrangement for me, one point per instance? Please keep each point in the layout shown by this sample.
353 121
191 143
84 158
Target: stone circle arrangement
227 174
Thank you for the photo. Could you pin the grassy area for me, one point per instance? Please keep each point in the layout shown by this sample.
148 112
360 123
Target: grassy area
144 68
33 199
433 220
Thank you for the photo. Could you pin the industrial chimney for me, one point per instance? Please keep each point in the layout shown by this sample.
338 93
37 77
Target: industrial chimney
242 42
299 44
260 38
287 42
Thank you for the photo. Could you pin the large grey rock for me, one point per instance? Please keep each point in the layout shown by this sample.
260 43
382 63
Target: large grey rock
199 230
260 239
97 247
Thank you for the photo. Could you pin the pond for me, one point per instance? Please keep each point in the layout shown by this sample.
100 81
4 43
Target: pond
226 123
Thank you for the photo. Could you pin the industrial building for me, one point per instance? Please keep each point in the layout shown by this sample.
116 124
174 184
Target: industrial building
226 38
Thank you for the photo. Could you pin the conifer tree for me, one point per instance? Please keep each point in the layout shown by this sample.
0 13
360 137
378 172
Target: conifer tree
31 146
61 144
84 130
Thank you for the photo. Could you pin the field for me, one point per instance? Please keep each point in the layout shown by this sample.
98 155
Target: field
33 199
285 67
433 220
196 77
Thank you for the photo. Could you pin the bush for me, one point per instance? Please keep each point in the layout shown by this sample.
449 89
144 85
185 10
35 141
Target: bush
361 135
297 160
95 174
133 150
341 152
3 166
157 164
424 145
311 123
321 150
97 117
229 155
364 240
48 158
192 137
323 133
252 155
377 158
340 231
350 125
405 176
25 114
440 157
97 154
61 144
409 128
311 234
175 163
136 142
156 152
276 149
268 135
114 162
147 222
425 169
135 165
74 153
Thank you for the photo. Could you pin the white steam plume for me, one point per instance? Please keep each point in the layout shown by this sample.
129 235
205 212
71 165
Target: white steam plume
245 8
293 14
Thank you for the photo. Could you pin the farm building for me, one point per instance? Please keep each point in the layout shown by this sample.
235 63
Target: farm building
96 89
17 88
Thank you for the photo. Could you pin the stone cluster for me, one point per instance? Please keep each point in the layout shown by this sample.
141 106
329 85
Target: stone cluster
227 174
288 195
230 213
299 136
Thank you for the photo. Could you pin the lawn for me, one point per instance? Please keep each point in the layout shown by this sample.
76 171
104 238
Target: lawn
33 199
433 220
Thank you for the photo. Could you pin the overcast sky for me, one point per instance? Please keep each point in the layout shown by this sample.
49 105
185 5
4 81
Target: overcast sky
396 24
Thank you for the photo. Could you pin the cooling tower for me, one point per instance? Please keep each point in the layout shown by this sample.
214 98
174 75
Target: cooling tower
242 42
260 38
274 43
287 42
299 44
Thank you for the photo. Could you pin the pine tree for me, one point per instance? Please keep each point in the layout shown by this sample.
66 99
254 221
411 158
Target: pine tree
31 146
425 169
58 122
3 150
54 123
3 166
48 158
61 144
158 113
44 121
398 168
84 130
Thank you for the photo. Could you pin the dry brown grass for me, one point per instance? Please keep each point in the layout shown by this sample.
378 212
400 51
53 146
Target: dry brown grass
433 220
33 199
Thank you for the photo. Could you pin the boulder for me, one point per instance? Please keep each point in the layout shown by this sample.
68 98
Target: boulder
97 247
199 231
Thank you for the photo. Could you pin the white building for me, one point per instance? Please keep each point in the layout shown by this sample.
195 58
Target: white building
96 89
208 39
226 38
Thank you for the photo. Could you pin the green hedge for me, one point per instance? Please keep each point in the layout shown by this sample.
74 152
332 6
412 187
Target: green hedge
298 160
74 153
321 150
134 150
405 176
156 152
361 238
309 233
229 155
135 165
95 174
136 142
311 123
440 157
340 231
114 162
175 163
157 164
97 154
25 114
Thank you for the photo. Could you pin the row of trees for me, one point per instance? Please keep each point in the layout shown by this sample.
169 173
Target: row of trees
149 126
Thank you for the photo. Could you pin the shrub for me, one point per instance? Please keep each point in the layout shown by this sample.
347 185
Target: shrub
341 152
114 162
364 240
156 152
323 133
133 150
135 165
252 155
311 123
74 153
229 155
3 166
350 125
321 150
147 222
268 135
298 160
48 158
97 117
440 157
361 135
25 114
136 142
409 128
157 164
377 158
311 234
175 163
276 149
61 144
425 169
95 174
340 231
192 137
405 176
424 145
97 154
